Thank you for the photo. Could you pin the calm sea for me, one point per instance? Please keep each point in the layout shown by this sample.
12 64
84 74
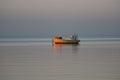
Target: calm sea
38 59
37 41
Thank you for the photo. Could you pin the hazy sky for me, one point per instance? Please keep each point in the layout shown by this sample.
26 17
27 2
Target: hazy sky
53 17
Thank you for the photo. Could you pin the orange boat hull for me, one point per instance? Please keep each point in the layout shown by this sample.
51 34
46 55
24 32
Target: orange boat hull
63 41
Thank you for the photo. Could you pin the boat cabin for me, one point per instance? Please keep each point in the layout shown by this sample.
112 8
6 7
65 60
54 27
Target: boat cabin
74 37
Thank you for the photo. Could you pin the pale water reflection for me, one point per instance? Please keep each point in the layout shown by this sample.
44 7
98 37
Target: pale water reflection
62 48
60 62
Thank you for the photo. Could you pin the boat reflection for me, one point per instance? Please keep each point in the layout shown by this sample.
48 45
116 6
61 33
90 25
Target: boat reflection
66 48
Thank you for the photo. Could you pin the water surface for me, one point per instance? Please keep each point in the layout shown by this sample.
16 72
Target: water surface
29 60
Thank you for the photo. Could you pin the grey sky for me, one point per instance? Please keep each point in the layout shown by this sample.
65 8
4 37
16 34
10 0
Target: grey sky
53 17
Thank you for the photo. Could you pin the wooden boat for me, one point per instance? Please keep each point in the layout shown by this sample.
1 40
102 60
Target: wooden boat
64 41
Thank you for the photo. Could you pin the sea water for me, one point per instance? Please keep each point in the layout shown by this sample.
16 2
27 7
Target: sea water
39 59
28 41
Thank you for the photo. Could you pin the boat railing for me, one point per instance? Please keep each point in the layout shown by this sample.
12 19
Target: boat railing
58 37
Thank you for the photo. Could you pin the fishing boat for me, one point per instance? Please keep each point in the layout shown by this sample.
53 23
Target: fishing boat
59 40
